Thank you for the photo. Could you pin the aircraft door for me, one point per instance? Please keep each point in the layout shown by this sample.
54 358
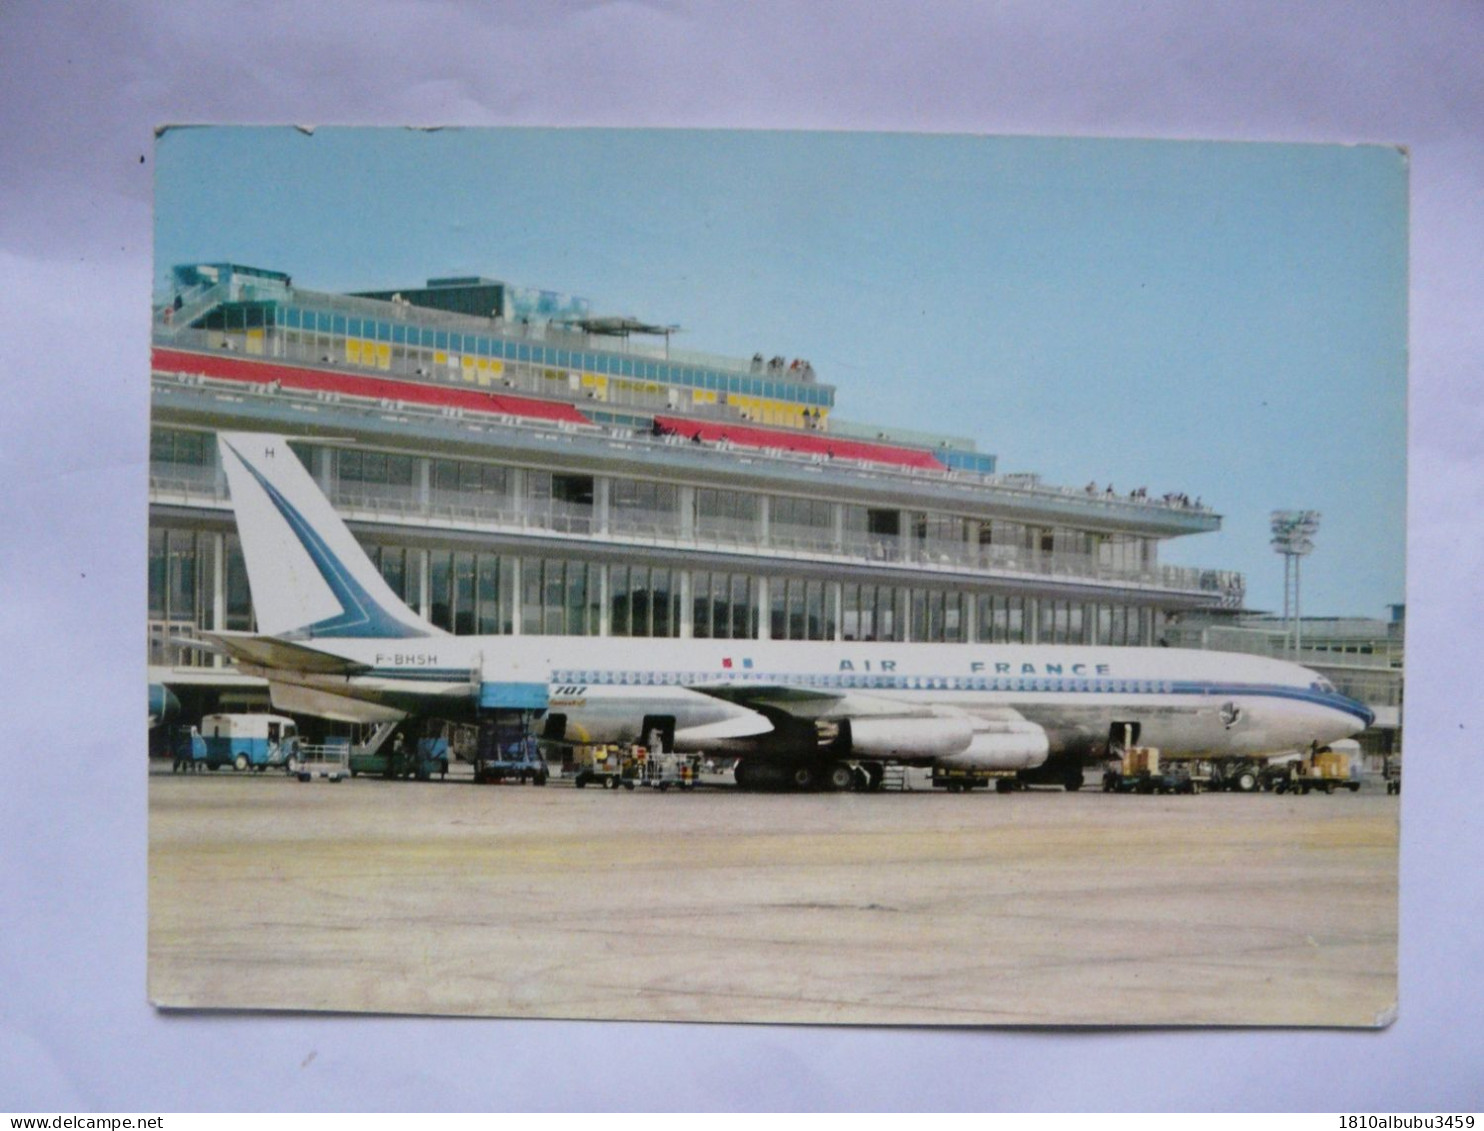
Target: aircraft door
657 732
1122 735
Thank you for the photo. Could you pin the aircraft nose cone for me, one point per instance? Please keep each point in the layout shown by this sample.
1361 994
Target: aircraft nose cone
1360 716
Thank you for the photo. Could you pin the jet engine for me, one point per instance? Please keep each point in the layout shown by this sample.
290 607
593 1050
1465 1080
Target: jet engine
920 738
961 742
1013 744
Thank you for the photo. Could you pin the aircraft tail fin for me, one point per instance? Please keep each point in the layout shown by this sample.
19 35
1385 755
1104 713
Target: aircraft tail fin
308 575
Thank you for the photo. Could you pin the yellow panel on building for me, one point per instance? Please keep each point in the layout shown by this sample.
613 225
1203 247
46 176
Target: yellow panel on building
254 341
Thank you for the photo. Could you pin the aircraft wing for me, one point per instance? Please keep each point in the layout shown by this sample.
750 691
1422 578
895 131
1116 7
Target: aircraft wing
809 702
273 653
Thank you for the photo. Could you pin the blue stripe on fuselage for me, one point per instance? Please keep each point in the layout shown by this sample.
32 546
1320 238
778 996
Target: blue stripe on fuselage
861 681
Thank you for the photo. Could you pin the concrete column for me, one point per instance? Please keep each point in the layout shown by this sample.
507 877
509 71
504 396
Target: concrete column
323 460
218 618
218 581
687 504
834 609
602 505
424 594
424 473
517 483
971 617
764 522
764 606
1033 620
687 605
517 595
605 615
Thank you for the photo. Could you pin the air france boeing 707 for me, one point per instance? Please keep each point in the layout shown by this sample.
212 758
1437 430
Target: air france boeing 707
336 642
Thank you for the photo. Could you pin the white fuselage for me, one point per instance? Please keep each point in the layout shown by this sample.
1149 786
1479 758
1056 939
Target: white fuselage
1184 702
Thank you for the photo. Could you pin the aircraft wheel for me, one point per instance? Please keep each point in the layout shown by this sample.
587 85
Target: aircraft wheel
839 776
1245 781
803 776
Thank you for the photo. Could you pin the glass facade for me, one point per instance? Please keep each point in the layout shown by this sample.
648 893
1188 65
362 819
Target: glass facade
804 524
482 488
559 597
643 601
638 506
939 616
723 606
731 516
181 572
873 612
1001 620
800 610
470 593
335 335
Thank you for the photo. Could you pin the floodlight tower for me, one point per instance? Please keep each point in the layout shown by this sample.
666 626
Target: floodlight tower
1293 537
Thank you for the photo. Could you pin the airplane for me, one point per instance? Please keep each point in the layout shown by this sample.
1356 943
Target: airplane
334 641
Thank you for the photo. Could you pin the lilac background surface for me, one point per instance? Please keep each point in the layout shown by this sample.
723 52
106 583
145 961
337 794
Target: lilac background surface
81 89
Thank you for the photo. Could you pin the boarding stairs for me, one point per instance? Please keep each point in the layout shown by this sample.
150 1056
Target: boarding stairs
194 303
378 738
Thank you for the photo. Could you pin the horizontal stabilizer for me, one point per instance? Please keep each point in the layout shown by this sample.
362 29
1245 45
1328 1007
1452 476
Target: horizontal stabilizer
197 645
272 653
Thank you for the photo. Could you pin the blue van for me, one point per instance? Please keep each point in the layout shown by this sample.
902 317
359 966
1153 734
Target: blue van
249 741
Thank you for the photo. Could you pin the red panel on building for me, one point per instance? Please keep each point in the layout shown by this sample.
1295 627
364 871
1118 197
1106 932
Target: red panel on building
807 443
357 385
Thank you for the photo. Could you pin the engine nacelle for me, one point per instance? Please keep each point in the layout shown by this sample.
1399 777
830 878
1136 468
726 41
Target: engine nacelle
1010 745
910 739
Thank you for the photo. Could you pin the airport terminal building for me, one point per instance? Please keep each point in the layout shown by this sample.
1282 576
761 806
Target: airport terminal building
516 465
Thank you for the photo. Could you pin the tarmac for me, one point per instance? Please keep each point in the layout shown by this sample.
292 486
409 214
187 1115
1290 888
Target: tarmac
1040 908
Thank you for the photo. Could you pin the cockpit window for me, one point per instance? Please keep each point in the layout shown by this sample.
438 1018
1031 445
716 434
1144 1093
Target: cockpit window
1323 685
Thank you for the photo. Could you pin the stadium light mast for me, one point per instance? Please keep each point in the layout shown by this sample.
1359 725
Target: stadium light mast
1293 537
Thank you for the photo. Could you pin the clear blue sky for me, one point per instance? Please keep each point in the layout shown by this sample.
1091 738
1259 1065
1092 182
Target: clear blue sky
1227 320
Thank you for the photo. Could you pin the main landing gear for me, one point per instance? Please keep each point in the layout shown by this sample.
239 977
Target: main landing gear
823 775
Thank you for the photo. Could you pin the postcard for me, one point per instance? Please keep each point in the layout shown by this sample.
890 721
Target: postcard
822 578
